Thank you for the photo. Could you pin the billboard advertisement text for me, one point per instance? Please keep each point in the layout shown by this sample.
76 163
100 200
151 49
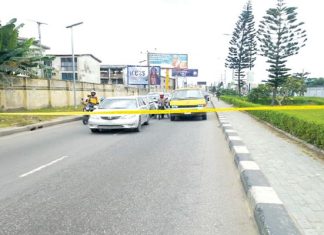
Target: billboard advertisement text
185 73
179 61
140 75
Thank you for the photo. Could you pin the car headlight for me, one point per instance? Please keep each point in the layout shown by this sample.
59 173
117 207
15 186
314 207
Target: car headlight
96 117
201 105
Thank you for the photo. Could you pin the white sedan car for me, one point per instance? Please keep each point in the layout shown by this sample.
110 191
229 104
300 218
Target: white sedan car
119 121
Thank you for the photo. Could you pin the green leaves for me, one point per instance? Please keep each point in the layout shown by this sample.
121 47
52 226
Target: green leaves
17 56
280 37
242 52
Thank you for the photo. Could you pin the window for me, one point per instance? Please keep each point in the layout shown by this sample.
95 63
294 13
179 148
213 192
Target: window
66 64
69 76
118 104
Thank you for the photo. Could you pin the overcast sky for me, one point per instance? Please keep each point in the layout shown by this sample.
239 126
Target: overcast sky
117 31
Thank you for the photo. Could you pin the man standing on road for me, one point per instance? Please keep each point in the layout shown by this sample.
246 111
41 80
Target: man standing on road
218 94
161 105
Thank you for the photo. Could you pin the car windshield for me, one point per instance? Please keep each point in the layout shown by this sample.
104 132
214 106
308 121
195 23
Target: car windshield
118 104
187 94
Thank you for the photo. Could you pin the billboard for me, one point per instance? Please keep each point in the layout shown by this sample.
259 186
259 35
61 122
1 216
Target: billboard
202 83
184 72
155 75
179 61
140 75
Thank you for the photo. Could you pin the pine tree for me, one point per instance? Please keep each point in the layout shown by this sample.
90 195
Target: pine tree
243 45
280 37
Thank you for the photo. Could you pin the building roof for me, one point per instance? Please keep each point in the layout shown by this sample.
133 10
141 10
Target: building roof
105 66
76 55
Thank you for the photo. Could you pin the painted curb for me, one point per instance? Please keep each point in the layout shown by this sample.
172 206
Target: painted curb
269 212
36 126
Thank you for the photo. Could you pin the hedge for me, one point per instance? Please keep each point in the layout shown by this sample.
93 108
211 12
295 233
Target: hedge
300 127
296 100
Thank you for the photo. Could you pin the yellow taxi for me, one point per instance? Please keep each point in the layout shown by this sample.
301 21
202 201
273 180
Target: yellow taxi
188 98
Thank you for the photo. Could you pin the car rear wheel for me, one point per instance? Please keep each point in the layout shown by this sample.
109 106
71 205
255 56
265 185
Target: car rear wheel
147 122
204 117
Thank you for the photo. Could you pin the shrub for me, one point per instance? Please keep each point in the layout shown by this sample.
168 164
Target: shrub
299 126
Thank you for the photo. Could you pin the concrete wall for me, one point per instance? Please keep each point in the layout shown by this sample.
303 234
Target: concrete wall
40 93
315 91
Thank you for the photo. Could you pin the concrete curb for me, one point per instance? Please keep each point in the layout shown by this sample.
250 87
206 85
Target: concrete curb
32 127
269 212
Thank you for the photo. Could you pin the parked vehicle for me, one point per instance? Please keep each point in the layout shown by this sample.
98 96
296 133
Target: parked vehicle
152 103
119 121
188 98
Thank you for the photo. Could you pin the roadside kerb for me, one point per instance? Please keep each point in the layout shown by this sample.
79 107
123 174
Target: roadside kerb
269 212
40 125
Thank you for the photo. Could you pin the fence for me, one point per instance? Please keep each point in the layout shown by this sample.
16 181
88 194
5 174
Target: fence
40 93
315 91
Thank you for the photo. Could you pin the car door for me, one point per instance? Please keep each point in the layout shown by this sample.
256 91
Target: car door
143 106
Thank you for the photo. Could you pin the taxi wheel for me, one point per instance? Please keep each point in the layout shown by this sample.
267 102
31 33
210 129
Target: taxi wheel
204 117
172 118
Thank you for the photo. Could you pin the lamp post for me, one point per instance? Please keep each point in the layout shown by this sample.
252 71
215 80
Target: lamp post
73 63
148 74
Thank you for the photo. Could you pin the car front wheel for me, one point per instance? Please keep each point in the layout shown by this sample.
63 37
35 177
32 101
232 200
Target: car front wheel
139 127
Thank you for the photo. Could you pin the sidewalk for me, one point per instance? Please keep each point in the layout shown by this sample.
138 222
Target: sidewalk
295 173
12 130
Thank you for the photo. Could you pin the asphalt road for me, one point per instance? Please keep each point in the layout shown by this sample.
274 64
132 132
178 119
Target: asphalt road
171 178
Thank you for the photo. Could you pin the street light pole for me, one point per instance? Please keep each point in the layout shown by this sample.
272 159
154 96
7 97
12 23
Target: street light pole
73 63
148 74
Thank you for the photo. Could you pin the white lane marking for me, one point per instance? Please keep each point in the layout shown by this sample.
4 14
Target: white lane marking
248 165
230 131
241 149
262 194
227 124
234 137
42 167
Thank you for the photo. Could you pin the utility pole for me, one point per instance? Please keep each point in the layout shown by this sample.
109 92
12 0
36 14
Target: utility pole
40 43
148 72
39 31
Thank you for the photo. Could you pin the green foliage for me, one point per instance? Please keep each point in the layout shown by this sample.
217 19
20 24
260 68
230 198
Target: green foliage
17 56
227 92
242 52
314 82
280 37
260 95
307 125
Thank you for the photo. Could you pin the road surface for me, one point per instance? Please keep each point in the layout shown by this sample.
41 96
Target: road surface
171 178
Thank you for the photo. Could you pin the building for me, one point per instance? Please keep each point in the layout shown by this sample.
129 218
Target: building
87 68
113 74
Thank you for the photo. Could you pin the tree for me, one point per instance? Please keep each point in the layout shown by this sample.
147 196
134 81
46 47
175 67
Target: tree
260 94
243 45
313 82
280 37
17 55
